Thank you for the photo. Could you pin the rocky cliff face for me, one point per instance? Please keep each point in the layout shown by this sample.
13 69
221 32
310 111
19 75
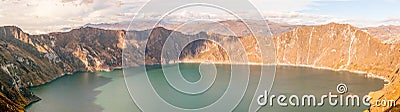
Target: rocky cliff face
31 60
338 46
191 48
343 47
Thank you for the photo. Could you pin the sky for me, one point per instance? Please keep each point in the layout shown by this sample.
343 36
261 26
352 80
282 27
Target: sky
44 16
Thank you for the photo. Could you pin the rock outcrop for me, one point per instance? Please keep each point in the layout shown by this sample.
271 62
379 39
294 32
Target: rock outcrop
31 60
343 47
203 47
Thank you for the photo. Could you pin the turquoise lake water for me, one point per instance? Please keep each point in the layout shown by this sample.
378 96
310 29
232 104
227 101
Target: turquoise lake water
106 91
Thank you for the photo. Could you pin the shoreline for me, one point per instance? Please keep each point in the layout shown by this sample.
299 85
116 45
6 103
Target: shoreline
63 75
70 73
110 69
368 75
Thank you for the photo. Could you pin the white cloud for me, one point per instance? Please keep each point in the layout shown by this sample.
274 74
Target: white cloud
43 16
303 19
391 21
282 5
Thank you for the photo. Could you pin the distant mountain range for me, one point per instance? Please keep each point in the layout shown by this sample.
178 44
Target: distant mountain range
31 60
387 34
219 27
